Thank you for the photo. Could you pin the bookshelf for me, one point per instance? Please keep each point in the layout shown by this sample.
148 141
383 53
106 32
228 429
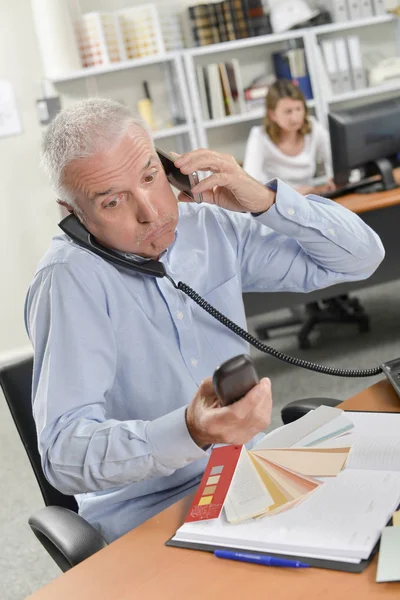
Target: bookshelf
167 78
179 69
209 131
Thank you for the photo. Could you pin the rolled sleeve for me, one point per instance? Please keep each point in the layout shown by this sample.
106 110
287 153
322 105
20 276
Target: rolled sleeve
170 441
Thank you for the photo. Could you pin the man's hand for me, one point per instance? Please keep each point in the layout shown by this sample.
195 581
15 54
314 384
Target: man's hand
209 423
229 186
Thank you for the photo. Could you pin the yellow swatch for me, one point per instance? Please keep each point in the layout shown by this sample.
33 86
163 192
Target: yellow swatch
308 461
396 518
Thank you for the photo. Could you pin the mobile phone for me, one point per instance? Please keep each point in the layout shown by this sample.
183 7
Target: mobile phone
234 378
182 182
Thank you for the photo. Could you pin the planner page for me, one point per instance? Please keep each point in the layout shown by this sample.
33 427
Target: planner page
375 441
342 519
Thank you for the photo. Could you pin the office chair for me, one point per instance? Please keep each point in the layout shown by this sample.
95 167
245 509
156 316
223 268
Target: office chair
66 536
339 309
298 408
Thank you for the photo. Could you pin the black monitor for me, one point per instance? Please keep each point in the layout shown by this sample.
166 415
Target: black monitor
366 137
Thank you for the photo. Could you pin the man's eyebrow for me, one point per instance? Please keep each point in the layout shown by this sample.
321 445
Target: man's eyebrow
96 195
147 164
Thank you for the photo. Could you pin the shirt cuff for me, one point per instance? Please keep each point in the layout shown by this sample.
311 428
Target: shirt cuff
290 211
273 186
170 441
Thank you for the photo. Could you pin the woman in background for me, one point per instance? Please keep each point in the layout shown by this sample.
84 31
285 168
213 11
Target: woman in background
290 143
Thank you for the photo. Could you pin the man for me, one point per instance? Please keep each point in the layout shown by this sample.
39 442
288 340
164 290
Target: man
122 395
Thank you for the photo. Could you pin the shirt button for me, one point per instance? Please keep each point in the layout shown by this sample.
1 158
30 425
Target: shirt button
331 232
179 315
290 211
194 362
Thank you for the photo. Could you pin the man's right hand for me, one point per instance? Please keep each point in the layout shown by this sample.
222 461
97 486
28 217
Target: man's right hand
209 423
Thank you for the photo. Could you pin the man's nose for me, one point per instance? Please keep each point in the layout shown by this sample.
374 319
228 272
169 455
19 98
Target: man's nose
146 211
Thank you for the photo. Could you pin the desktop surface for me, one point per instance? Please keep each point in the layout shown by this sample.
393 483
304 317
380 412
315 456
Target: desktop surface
139 565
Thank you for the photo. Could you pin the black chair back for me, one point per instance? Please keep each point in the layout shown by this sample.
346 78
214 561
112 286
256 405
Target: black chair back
16 382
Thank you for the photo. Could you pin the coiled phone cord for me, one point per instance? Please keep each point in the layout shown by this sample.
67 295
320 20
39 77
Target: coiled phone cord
298 362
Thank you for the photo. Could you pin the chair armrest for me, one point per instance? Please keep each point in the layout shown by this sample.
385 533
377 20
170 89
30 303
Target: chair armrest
66 536
298 408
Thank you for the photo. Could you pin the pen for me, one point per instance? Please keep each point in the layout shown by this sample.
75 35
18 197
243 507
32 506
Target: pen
260 559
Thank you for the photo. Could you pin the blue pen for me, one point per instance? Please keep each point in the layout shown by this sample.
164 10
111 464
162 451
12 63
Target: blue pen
260 559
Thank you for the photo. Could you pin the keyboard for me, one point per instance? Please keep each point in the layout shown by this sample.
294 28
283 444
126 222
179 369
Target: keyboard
365 186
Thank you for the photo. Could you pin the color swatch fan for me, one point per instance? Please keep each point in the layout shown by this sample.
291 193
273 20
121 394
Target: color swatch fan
270 479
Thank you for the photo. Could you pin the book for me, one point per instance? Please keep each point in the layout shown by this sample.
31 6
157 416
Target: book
228 19
236 85
339 524
203 24
215 92
257 20
226 90
238 18
220 20
291 64
204 101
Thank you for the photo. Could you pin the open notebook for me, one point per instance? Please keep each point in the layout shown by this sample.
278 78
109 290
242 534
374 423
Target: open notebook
339 524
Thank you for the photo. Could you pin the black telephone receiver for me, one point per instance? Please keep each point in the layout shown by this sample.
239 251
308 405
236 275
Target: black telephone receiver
79 234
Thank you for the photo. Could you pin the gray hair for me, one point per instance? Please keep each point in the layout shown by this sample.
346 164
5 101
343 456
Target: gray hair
81 131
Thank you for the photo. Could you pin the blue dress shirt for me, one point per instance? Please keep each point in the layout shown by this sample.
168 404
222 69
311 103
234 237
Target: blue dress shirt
118 355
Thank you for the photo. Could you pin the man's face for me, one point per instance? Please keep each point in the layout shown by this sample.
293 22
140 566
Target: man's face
125 196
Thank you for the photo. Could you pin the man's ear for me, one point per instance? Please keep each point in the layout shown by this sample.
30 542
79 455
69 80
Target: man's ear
65 205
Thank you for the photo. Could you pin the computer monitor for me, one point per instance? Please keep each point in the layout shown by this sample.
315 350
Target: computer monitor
366 137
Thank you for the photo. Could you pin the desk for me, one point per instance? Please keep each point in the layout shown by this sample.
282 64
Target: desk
381 212
138 565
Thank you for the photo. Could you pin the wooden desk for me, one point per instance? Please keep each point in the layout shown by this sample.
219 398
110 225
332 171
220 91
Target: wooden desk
381 212
139 566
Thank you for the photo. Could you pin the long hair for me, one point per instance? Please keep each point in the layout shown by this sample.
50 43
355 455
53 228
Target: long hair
283 88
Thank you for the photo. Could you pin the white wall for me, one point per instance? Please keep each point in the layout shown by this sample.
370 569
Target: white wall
28 213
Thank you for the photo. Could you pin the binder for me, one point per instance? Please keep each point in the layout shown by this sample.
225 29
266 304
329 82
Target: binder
338 10
355 58
329 54
366 9
323 76
378 7
346 84
354 9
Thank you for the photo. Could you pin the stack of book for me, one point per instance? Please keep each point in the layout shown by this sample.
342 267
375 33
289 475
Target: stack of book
291 64
216 22
220 89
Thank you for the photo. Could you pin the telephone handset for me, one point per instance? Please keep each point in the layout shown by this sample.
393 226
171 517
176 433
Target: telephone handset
79 234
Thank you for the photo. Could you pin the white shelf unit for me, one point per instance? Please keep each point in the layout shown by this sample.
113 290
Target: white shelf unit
309 37
368 92
221 52
376 33
171 64
195 131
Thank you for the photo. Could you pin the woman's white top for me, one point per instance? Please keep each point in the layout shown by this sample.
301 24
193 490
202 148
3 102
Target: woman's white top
264 160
